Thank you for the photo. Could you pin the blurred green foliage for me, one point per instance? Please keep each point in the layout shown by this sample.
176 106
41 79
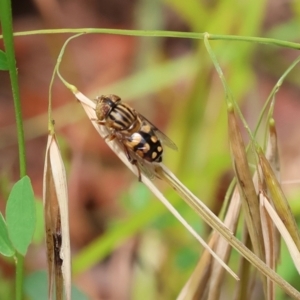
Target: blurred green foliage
198 125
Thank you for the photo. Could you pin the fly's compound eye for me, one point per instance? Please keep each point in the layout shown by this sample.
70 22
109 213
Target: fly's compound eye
102 109
114 98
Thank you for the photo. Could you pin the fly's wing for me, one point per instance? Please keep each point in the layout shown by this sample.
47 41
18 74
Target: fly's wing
145 167
165 140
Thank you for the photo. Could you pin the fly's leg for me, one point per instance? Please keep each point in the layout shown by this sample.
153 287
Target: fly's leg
134 162
97 121
110 136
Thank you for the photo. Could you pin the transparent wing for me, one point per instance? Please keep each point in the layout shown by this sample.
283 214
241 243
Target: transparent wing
148 172
145 167
165 140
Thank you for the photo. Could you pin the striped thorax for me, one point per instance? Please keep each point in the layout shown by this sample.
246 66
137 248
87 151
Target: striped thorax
116 115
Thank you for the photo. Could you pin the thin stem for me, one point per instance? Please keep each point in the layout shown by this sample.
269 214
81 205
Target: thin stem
19 276
160 33
59 59
68 85
228 95
272 97
6 23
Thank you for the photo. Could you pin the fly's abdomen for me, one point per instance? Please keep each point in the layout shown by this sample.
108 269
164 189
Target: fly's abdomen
146 145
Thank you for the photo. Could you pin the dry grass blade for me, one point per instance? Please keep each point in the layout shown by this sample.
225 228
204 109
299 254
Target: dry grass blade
191 200
222 247
247 190
208 275
278 198
216 224
242 289
295 254
89 107
269 237
272 153
197 284
55 199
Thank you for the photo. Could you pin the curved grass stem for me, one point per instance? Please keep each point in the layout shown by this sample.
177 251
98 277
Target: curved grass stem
56 71
161 33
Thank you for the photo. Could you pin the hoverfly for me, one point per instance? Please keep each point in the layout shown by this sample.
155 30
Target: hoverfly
141 140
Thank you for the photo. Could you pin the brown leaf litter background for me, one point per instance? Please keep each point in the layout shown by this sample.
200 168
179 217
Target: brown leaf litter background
91 62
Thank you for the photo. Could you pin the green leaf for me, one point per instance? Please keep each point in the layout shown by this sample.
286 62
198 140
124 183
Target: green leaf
6 247
36 285
3 61
39 232
21 215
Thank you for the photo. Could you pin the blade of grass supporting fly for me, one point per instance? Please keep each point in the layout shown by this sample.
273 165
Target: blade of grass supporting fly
194 202
89 107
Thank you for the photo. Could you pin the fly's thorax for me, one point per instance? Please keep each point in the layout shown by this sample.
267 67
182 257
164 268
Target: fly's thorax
123 118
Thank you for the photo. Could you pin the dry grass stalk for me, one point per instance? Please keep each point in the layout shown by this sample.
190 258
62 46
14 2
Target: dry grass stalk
55 198
246 186
191 200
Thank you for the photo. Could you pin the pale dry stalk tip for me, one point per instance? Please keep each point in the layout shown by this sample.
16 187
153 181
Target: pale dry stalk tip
55 198
89 107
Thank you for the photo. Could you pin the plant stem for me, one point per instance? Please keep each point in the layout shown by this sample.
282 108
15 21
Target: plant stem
19 276
6 23
161 33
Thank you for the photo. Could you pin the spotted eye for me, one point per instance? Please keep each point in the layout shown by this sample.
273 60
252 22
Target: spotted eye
102 110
